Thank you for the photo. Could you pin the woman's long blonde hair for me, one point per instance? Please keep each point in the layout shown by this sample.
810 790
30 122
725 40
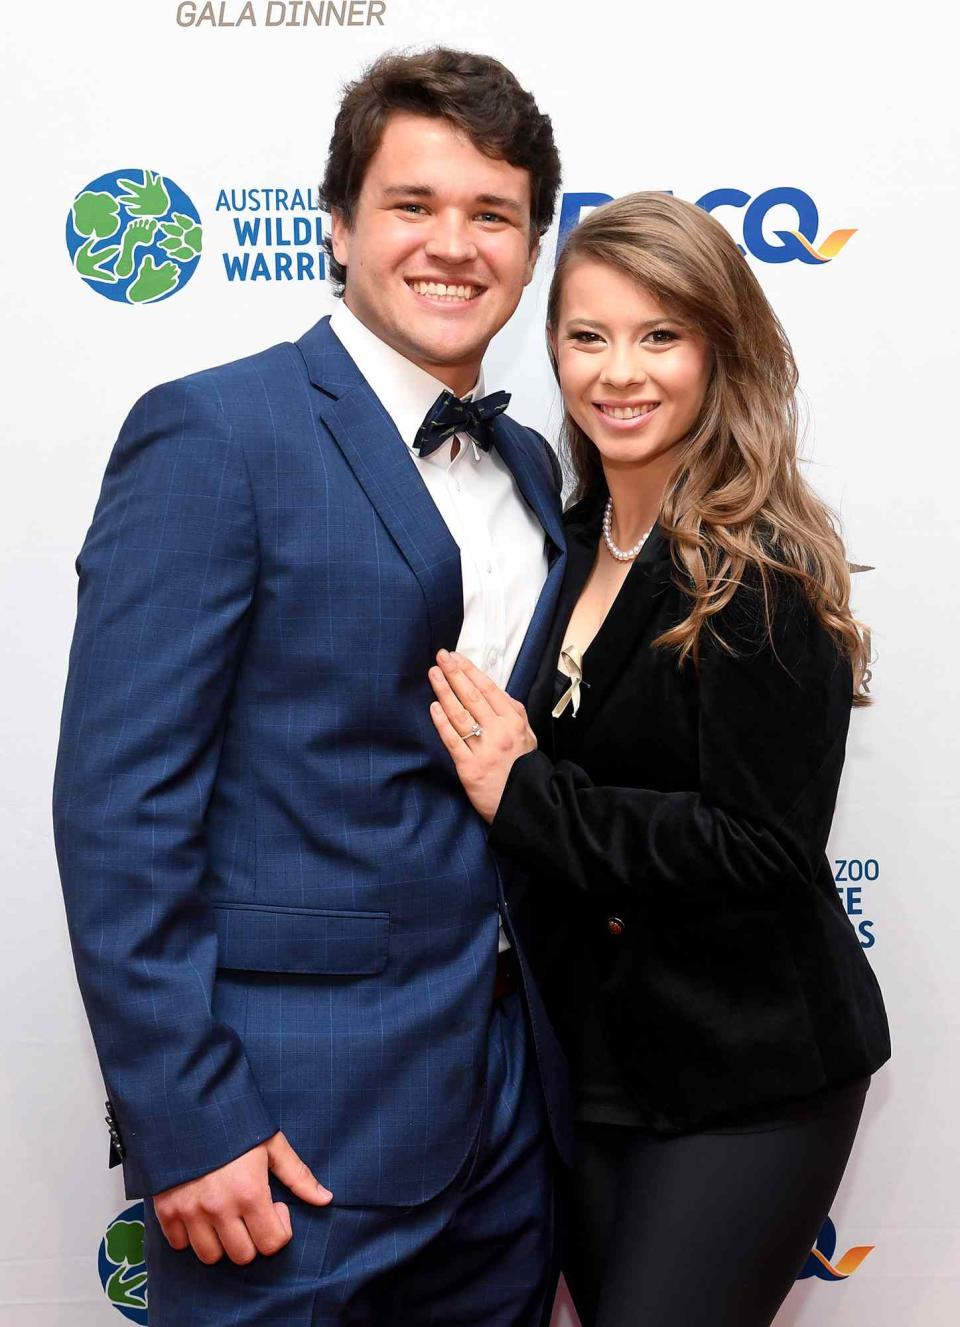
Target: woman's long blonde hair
738 501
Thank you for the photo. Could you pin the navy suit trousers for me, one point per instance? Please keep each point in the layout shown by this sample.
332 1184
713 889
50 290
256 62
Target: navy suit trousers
480 1254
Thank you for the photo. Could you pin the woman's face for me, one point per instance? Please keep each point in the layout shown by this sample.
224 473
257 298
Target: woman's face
633 377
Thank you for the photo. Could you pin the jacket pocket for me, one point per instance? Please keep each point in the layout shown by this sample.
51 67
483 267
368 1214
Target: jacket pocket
254 937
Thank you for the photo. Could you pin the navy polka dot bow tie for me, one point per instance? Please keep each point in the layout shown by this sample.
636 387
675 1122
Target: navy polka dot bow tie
449 415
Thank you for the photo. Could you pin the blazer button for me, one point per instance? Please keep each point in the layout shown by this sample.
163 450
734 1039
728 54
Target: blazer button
616 925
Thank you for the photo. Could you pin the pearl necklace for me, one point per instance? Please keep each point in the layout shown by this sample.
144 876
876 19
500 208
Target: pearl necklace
621 554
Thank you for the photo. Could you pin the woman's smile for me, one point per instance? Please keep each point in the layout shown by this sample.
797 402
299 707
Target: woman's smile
625 416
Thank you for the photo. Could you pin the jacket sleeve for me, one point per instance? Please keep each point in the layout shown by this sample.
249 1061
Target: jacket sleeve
166 579
772 723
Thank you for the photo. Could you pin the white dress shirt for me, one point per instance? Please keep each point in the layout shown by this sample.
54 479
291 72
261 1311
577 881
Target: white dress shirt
503 555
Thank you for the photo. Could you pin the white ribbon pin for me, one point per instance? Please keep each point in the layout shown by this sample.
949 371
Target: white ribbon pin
572 657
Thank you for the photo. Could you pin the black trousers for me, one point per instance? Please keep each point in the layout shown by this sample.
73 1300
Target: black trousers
707 1229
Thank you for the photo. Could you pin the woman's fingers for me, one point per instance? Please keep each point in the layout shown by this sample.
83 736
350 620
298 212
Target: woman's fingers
462 717
475 689
449 736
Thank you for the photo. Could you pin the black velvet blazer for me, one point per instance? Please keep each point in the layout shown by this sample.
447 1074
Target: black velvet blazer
685 843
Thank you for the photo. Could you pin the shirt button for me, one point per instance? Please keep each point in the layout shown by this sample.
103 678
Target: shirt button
616 925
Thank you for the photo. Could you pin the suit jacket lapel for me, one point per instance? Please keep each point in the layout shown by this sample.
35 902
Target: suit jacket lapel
380 460
519 451
533 478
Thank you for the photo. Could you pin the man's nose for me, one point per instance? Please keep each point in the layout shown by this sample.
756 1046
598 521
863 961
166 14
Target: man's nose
449 240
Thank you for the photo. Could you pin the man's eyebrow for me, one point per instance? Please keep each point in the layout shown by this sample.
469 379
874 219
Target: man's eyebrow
417 190
424 191
499 200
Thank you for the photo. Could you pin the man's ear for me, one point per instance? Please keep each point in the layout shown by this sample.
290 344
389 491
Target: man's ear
532 260
339 236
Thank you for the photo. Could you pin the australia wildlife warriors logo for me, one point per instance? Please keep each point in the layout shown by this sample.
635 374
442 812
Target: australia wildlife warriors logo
122 1267
134 236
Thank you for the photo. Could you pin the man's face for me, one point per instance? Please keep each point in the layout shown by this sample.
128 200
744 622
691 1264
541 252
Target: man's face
439 249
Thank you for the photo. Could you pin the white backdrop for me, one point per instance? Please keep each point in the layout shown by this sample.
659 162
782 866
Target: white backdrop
854 109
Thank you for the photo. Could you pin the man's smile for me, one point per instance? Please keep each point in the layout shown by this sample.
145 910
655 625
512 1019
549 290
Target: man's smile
445 292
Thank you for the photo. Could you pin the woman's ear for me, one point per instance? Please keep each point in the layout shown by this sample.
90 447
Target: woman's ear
552 346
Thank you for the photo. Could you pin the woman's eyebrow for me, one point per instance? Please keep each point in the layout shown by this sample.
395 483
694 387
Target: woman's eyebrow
649 322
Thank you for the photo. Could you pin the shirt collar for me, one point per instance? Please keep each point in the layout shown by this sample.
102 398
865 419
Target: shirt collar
404 390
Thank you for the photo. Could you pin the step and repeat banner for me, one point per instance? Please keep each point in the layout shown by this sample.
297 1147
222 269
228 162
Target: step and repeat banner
161 166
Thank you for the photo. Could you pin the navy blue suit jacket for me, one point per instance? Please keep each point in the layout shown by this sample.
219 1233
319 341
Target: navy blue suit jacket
283 909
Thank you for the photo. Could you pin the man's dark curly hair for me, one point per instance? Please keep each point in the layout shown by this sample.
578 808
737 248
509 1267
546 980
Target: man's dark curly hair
475 93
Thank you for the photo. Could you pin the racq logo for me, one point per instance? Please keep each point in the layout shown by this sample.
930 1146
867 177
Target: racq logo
824 1265
786 243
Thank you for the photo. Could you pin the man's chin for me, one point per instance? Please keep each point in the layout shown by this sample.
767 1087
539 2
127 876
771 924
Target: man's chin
446 352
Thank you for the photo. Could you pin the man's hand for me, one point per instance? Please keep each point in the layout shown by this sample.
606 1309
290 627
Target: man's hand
231 1210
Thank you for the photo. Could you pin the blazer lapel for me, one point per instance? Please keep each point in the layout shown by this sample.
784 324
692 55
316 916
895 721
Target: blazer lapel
623 627
620 633
380 460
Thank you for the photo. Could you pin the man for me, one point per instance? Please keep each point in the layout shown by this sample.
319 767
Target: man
283 910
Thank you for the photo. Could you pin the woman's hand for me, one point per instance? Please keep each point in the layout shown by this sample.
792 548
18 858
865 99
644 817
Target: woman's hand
466 699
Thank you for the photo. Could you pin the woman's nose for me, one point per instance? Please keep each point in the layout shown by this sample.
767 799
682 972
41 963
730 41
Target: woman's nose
622 368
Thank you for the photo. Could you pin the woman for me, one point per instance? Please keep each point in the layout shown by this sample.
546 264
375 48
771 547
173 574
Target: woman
673 799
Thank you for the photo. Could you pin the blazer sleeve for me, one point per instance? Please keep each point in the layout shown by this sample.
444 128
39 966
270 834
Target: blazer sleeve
772 725
166 579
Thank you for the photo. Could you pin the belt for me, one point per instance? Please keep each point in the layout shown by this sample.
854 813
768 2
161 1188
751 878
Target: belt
506 981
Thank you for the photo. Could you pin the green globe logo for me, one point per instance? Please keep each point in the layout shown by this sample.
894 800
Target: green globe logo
122 1266
134 236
